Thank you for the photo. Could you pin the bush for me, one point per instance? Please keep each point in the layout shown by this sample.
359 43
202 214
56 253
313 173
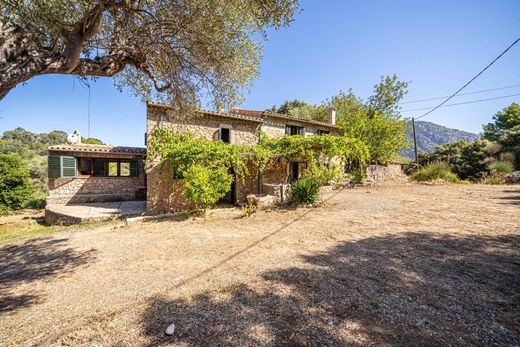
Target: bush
494 179
249 209
502 167
435 171
304 191
205 186
508 156
37 202
323 174
15 185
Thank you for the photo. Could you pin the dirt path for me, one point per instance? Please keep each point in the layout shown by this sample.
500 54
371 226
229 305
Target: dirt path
400 264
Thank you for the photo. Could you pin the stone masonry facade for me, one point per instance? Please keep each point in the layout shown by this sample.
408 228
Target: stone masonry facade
166 195
85 189
93 189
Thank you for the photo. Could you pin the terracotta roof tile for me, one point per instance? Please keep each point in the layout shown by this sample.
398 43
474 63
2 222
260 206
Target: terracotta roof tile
97 149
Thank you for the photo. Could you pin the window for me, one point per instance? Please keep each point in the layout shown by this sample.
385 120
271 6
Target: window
115 168
124 169
294 130
112 169
225 135
322 132
85 166
99 167
61 166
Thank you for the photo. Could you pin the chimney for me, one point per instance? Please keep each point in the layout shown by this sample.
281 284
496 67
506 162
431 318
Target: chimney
332 116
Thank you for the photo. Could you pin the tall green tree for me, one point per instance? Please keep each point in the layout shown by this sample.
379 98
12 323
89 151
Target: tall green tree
15 185
505 130
387 95
169 50
503 121
376 122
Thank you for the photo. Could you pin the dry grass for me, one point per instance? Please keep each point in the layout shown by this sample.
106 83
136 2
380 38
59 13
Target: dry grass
402 264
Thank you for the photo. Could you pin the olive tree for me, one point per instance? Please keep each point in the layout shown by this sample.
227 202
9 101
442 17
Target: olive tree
169 50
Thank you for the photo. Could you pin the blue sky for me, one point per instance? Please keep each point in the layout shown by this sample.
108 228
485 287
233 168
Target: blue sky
331 46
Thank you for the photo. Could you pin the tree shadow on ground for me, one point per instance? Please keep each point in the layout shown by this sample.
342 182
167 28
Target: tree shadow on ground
511 199
35 260
414 288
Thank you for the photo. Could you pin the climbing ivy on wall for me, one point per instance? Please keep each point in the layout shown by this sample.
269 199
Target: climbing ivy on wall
206 165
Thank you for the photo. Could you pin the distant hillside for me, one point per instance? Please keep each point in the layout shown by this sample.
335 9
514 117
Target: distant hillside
431 135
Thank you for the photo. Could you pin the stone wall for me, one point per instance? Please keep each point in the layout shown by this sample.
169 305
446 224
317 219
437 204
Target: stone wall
207 125
94 189
279 191
166 195
389 172
276 172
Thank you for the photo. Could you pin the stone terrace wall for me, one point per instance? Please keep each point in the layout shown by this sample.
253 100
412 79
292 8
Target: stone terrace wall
93 189
380 173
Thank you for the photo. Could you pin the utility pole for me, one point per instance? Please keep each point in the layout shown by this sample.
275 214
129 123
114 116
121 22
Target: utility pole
415 141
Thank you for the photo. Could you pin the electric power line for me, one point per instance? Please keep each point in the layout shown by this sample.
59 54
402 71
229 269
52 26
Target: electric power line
471 80
469 93
87 85
462 103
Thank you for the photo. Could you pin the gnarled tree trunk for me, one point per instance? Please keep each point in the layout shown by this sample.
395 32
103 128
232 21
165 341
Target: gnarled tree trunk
20 59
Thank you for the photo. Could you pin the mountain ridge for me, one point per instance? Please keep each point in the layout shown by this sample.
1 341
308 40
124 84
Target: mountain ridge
431 135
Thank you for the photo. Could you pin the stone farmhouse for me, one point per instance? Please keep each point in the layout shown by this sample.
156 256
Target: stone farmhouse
81 173
238 126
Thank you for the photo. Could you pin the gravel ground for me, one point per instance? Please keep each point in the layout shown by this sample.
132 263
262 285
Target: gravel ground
401 264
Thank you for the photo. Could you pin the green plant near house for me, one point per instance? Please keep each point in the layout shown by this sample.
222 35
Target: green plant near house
501 167
304 191
323 174
205 164
435 171
249 209
205 186
15 184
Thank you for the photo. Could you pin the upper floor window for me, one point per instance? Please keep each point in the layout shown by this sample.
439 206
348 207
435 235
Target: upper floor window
294 130
322 132
225 135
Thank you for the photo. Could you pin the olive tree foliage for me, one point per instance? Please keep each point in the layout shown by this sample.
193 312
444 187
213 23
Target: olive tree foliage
300 109
172 51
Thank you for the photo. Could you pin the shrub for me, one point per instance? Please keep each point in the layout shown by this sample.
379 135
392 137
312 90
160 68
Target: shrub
494 179
508 156
435 171
323 174
15 185
500 166
304 191
249 209
205 186
36 202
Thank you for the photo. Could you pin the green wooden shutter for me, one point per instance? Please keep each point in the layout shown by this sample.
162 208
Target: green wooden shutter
54 166
68 167
287 129
133 168
302 130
